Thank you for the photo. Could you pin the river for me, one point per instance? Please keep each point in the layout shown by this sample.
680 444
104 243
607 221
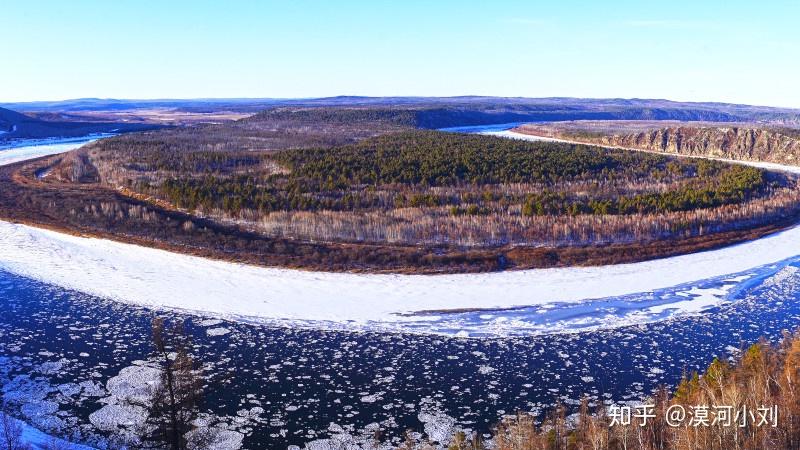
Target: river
65 348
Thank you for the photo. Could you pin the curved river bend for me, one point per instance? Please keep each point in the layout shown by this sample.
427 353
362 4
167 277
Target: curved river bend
286 378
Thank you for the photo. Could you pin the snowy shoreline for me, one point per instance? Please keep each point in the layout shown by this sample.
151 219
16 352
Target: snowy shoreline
11 152
39 440
159 279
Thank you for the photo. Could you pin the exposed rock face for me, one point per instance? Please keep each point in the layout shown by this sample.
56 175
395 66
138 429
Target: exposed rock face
747 144
739 143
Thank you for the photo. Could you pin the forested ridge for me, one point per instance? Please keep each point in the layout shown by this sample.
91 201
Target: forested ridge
362 189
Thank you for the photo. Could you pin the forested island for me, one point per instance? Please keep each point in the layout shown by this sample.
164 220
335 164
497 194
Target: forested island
366 189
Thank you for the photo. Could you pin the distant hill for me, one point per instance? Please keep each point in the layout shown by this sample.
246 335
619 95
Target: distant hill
459 110
10 121
83 116
435 116
14 125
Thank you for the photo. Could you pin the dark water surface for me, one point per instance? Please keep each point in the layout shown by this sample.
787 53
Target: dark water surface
59 348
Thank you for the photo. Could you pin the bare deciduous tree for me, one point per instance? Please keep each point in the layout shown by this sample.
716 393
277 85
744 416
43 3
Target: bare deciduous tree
10 430
174 404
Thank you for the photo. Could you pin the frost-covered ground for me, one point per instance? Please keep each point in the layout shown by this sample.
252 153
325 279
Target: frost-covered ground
493 304
37 440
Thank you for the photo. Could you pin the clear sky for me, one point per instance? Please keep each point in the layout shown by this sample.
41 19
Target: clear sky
733 51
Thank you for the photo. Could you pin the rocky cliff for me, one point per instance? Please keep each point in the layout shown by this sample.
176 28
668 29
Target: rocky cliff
730 142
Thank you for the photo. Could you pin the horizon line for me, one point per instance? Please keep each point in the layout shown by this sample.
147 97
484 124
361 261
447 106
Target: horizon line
344 96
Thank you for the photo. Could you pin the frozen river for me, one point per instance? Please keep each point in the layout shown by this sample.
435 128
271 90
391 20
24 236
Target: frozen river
304 356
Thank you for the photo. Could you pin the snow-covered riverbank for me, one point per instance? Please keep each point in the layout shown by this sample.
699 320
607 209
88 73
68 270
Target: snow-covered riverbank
156 278
536 301
35 439
12 151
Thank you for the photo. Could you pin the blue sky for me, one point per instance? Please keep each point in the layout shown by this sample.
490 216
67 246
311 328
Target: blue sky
733 51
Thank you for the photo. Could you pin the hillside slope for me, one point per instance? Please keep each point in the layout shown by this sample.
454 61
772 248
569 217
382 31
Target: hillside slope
472 110
14 125
10 121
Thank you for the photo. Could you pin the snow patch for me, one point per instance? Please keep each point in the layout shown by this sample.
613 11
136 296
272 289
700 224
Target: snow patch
38 440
